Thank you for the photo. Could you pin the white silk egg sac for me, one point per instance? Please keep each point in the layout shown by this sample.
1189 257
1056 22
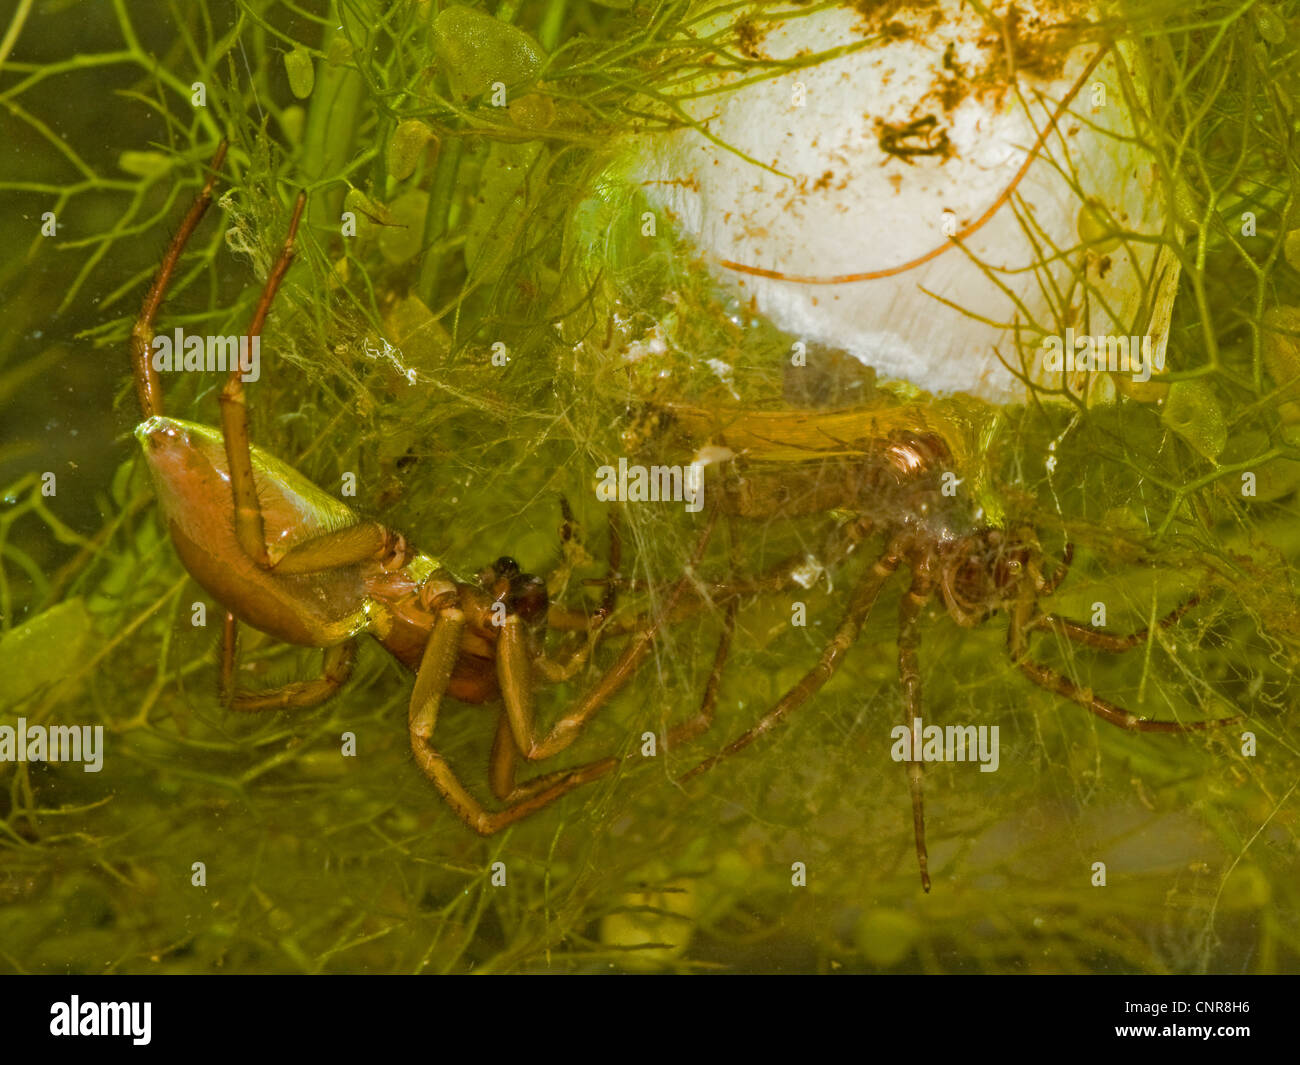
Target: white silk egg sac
958 195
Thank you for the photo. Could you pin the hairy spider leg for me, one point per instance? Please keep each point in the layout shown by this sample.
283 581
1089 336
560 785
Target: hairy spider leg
790 572
831 658
614 560
1023 622
1018 632
909 673
703 719
1105 641
593 626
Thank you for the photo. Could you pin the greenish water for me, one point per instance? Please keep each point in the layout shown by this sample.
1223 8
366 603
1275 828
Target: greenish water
475 229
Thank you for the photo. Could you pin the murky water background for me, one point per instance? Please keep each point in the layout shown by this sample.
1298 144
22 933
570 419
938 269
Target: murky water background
796 855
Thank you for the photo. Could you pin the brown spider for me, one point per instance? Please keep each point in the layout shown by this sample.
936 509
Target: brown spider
975 570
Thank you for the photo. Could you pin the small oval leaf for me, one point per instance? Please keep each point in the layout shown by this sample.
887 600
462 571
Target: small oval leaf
1193 412
301 70
408 142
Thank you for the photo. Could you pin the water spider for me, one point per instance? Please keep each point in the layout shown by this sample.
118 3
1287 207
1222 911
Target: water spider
281 555
972 569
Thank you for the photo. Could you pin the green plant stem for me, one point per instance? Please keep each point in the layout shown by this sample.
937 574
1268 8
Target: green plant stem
441 199
332 123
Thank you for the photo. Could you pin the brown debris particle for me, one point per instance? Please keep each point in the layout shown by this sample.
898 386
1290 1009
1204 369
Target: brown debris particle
748 39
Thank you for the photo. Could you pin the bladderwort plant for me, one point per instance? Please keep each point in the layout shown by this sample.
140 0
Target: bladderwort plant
479 319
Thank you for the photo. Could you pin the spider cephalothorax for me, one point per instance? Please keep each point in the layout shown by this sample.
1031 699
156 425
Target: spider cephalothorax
989 570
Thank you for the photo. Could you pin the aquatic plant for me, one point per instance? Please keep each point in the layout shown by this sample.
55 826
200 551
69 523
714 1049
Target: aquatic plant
469 199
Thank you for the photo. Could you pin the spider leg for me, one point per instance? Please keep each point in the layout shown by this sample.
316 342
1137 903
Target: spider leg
850 627
1105 641
703 719
147 386
613 561
298 695
566 619
593 625
504 764
909 640
430 687
229 649
249 529
515 667
785 575
1045 677
790 572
